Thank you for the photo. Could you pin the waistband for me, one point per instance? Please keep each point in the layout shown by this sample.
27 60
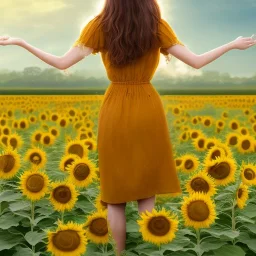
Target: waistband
130 82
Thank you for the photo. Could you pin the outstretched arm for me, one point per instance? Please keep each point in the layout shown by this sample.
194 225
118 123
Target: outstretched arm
71 57
198 61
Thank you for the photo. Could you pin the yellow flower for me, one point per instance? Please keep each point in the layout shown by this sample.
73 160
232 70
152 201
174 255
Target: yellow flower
189 163
34 184
97 227
222 170
201 182
242 195
63 195
36 156
68 240
198 210
76 147
248 174
158 227
82 172
245 144
10 163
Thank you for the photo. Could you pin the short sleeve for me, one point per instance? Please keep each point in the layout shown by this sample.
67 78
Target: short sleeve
167 37
91 36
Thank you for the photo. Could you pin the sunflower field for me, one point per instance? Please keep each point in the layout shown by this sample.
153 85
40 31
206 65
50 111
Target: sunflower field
50 202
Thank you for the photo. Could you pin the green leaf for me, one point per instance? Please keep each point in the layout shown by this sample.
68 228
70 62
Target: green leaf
16 206
23 251
132 226
9 220
250 211
251 227
7 241
219 233
213 244
9 196
34 238
229 250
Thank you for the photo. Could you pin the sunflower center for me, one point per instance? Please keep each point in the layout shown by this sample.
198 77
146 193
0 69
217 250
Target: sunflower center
66 240
35 183
220 171
189 164
6 163
81 171
233 140
76 149
239 193
198 210
249 174
159 226
62 194
216 153
246 144
199 184
201 143
99 227
35 158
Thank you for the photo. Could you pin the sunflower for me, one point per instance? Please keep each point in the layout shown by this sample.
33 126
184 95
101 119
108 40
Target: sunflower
201 182
63 195
244 130
222 169
198 210
242 194
97 227
158 227
82 172
199 143
245 144
10 163
189 163
214 152
67 160
232 139
194 134
248 174
220 124
76 147
34 184
234 124
68 240
90 144
15 141
178 163
99 204
207 121
184 136
36 156
47 139
36 136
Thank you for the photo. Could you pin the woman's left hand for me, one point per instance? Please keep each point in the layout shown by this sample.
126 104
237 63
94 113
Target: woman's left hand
7 40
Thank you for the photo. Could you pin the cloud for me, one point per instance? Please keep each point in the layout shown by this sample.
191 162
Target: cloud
19 10
176 68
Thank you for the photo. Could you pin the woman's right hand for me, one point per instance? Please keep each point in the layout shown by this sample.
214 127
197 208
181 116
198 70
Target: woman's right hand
242 43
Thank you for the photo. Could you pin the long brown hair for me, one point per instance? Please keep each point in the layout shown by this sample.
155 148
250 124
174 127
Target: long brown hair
130 28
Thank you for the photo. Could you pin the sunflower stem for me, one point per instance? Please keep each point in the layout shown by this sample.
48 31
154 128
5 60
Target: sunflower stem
233 215
62 216
32 221
198 251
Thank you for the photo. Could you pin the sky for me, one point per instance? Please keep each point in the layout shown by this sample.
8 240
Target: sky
53 26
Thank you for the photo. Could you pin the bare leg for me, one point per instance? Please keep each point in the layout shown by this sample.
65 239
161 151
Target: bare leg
117 221
146 204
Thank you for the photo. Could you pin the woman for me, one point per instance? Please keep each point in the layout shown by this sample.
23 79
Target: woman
135 153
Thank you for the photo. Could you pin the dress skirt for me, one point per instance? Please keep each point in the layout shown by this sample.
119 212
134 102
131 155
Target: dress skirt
135 153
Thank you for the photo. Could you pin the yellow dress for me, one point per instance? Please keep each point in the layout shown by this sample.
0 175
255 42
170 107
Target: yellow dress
134 148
